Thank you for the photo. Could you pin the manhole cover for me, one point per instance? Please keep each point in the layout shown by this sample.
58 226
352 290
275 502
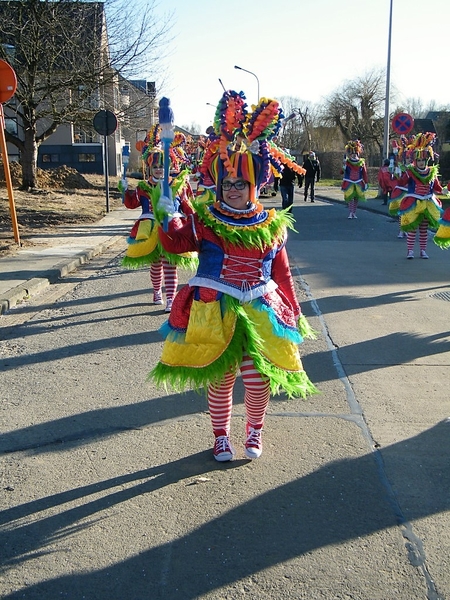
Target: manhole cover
441 296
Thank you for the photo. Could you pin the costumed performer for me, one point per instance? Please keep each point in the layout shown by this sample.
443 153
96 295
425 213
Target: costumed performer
144 248
240 311
401 157
420 208
442 235
355 180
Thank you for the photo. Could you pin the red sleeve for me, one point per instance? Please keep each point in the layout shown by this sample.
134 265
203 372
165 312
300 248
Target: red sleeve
281 274
181 235
364 174
437 187
131 199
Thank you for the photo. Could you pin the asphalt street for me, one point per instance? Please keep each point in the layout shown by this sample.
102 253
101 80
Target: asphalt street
109 488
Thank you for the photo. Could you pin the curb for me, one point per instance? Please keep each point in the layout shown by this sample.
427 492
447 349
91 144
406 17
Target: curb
43 279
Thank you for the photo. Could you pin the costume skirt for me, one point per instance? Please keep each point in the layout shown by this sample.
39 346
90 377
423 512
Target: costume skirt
205 340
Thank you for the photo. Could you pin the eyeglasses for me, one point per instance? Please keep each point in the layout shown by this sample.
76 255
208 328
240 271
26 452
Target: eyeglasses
239 185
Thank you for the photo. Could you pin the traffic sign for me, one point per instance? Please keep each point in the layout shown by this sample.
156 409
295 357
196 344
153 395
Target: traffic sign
105 122
402 123
8 81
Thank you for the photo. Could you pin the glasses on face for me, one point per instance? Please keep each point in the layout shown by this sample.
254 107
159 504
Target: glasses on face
239 185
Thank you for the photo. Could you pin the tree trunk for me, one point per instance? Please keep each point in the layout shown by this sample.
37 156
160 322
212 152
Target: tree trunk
28 160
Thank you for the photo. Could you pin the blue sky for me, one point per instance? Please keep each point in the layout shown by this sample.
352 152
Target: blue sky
301 49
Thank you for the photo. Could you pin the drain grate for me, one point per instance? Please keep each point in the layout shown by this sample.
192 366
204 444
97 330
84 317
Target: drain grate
441 296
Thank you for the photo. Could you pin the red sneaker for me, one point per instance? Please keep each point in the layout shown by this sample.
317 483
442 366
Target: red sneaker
223 450
253 443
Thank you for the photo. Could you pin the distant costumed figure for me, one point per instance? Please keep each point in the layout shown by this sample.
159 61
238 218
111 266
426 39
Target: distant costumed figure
144 248
355 180
420 208
401 157
240 310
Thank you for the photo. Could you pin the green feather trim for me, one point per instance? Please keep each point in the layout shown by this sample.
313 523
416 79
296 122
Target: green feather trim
259 236
130 262
185 262
305 329
294 384
443 243
425 179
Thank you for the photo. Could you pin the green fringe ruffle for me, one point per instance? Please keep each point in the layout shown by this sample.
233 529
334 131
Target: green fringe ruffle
294 384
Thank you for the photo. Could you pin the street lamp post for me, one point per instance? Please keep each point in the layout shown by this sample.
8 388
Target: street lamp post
241 69
388 85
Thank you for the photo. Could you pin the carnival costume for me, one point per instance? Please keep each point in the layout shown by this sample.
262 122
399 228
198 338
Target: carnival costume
143 243
355 180
144 248
242 299
420 202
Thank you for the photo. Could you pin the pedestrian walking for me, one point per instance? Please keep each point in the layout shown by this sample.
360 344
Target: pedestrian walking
240 311
311 165
286 184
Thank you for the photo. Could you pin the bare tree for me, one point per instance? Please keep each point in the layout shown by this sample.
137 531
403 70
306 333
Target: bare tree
67 62
357 109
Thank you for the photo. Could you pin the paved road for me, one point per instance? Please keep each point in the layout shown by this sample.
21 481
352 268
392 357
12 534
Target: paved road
109 489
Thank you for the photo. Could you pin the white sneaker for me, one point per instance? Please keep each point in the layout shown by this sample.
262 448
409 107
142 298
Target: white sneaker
401 234
157 298
410 254
169 304
423 254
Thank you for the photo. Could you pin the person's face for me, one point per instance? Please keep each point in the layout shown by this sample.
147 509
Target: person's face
421 163
236 192
157 171
354 156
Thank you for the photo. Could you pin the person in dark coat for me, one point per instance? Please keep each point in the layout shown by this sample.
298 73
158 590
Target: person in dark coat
286 184
312 166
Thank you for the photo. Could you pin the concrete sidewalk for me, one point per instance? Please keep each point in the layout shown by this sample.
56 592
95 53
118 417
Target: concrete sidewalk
32 269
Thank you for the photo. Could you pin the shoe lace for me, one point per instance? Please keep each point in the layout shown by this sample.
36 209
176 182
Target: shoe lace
254 437
221 444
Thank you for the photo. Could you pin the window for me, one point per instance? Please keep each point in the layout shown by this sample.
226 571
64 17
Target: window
11 125
50 158
85 157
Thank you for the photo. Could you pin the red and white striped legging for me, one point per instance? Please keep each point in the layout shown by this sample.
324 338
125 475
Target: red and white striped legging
423 236
352 206
170 277
256 398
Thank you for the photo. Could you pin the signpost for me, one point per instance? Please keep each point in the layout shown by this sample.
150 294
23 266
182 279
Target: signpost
105 123
8 86
402 123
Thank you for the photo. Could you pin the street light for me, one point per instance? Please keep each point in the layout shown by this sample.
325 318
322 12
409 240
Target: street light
388 84
241 69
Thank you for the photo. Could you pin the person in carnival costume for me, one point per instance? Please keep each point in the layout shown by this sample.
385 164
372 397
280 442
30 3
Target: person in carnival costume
240 310
144 248
401 157
420 208
355 180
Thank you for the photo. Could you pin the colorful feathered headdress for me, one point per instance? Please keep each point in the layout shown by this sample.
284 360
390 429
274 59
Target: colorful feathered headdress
421 146
242 146
152 152
354 147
